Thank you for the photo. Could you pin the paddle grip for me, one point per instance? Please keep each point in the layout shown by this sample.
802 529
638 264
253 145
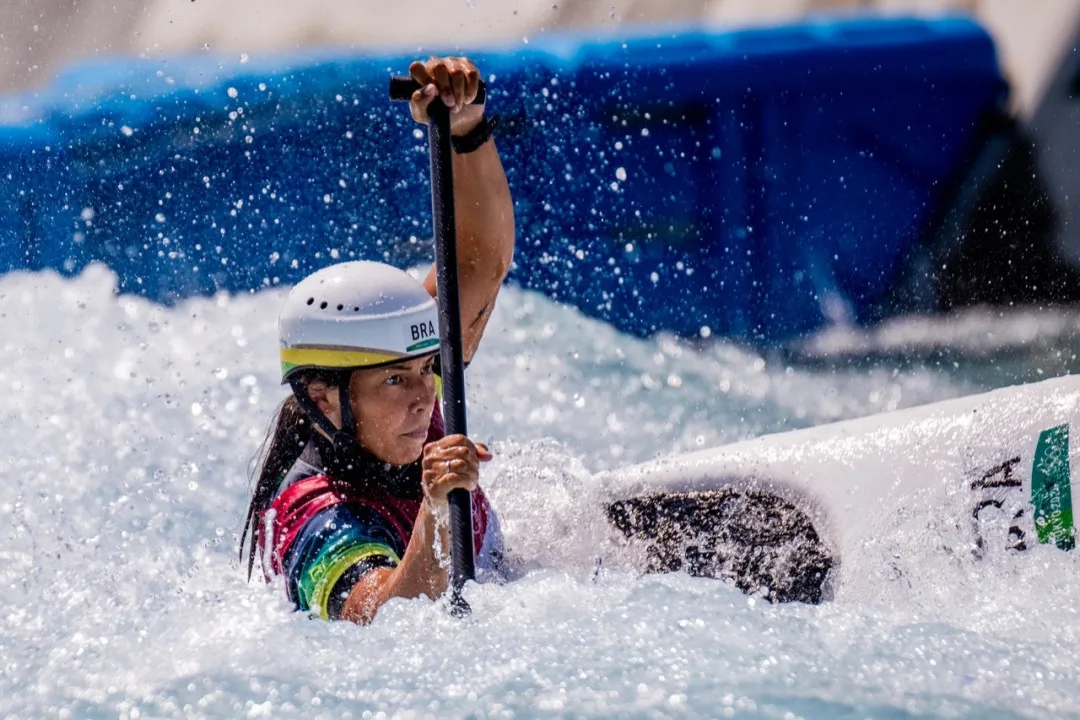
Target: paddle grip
402 88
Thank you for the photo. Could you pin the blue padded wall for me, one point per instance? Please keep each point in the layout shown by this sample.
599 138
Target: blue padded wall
757 183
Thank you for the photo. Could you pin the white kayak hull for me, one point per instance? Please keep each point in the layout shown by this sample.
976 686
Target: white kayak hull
994 468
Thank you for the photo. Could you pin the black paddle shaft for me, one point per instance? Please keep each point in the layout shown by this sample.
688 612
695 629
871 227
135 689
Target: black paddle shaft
463 564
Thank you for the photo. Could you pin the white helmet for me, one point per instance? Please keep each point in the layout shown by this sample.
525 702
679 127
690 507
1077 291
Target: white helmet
353 315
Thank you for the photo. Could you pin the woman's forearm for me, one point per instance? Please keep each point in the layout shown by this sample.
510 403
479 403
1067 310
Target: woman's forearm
420 572
484 213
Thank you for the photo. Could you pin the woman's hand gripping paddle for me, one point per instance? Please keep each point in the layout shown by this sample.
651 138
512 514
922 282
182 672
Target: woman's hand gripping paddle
463 564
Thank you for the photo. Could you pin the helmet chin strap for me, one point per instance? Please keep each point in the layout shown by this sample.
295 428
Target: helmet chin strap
346 446
345 438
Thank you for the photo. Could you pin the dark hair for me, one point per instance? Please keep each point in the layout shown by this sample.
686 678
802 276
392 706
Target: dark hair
288 433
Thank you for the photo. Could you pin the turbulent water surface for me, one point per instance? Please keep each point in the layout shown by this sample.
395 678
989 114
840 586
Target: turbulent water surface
127 432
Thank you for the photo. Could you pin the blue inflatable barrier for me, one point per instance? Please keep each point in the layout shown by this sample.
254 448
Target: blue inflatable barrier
758 183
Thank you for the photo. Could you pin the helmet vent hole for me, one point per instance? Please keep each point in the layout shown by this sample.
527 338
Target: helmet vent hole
310 300
356 309
322 305
340 308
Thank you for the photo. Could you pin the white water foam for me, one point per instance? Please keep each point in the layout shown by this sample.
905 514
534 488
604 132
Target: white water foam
127 432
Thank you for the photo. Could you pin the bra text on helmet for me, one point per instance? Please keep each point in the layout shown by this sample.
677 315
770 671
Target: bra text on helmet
423 330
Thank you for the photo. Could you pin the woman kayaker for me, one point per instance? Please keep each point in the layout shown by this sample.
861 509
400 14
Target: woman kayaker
351 497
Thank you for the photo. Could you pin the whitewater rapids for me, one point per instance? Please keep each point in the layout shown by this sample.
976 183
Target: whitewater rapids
127 430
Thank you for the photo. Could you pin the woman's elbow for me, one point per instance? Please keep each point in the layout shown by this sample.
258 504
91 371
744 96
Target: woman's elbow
505 254
366 597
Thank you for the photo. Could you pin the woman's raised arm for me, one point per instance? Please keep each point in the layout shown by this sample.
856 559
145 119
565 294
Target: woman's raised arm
483 207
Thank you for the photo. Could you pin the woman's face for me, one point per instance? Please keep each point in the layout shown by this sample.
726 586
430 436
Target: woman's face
392 406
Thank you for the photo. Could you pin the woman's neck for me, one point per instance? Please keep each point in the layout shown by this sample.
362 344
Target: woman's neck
359 468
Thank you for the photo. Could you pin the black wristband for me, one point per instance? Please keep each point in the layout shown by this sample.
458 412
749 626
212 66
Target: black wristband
476 137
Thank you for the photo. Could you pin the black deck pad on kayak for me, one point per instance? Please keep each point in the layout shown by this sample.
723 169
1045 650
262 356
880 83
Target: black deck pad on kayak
762 543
